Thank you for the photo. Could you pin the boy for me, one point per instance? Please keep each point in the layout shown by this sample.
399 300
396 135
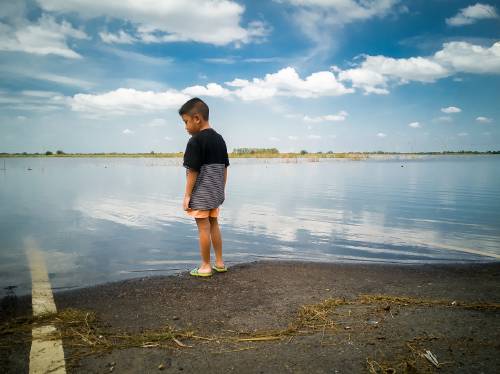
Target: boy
206 161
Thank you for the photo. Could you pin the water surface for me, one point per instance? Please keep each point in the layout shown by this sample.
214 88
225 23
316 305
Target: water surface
105 219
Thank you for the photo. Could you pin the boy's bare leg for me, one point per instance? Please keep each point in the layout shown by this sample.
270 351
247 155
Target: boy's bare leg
204 234
216 241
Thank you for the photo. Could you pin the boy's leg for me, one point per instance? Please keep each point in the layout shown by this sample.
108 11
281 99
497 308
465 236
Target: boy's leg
204 234
216 241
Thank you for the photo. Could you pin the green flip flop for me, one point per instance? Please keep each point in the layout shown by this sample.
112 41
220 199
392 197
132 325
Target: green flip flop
195 272
219 270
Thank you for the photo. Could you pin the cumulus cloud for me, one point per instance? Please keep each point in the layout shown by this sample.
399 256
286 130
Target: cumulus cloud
205 21
43 37
381 135
451 109
287 82
364 78
469 58
127 100
375 73
483 119
127 132
340 116
472 14
211 89
414 125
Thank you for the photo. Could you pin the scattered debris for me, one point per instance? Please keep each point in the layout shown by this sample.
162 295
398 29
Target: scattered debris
432 359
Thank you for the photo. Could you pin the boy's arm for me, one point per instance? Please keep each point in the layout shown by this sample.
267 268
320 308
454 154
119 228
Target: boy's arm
190 181
225 177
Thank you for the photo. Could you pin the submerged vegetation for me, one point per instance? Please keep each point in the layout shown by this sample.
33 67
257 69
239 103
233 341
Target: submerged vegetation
250 153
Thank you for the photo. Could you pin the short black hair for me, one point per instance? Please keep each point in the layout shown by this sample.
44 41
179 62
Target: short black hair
193 106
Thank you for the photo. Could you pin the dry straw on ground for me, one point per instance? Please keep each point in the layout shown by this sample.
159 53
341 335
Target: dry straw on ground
83 334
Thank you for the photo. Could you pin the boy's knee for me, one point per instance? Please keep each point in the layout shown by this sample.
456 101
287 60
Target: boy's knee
212 220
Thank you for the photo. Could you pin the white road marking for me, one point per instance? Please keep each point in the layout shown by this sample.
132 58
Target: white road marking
46 355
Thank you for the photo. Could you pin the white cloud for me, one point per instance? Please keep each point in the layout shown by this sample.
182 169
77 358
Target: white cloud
36 93
381 135
469 58
21 118
451 109
127 100
339 12
340 116
168 138
211 89
462 134
286 82
471 14
205 21
405 69
374 73
293 137
127 132
364 78
414 125
44 37
373 76
274 139
483 119
121 38
314 137
320 20
62 79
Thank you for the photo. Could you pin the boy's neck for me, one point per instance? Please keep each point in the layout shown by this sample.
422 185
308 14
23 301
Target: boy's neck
204 127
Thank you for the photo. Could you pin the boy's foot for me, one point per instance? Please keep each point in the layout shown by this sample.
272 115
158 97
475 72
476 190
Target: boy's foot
219 269
198 273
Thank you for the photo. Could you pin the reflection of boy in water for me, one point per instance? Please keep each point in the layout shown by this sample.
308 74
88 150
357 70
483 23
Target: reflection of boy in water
206 161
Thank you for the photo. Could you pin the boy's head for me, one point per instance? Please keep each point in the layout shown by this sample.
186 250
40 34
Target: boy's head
194 113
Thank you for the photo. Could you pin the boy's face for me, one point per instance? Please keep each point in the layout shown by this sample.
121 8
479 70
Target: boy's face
192 122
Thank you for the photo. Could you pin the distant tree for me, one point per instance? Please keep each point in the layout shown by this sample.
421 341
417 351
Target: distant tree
303 152
25 153
152 152
48 153
255 150
59 152
330 152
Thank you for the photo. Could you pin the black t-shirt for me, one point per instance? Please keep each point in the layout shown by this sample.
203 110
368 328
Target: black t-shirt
206 152
205 147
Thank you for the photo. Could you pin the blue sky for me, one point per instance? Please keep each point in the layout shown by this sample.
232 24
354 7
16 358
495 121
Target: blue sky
341 75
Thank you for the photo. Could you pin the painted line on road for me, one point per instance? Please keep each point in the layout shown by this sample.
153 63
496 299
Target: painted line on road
47 354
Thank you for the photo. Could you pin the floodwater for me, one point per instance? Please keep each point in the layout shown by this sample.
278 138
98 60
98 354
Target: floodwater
106 219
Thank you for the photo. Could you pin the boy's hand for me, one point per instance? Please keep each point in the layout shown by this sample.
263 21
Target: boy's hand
185 204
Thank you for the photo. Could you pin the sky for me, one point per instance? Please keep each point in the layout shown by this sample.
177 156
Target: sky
316 75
